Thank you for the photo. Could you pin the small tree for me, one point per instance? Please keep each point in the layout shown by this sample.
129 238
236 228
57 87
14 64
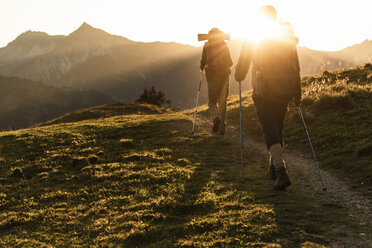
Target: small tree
368 66
152 96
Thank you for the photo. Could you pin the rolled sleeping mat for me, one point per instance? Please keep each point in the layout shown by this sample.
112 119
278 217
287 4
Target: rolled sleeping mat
223 36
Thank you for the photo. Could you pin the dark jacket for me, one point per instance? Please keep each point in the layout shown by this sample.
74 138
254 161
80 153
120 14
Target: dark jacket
275 63
216 60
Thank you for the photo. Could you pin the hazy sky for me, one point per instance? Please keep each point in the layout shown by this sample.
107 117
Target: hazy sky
320 24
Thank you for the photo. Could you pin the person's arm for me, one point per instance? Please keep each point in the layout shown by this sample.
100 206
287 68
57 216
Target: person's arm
203 60
229 61
244 61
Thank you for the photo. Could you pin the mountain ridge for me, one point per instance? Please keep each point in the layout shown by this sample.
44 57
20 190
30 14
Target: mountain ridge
90 58
362 51
60 55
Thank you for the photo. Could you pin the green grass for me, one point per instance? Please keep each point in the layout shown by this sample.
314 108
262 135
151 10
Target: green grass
143 181
106 111
337 107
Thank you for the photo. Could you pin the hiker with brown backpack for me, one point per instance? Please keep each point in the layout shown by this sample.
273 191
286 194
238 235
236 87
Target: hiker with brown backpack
216 62
276 82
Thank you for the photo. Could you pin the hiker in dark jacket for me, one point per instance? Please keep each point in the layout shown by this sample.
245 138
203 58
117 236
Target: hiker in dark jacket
275 83
216 63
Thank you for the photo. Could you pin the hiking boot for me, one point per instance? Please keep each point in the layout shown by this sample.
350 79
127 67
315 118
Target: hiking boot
216 124
271 170
282 180
222 129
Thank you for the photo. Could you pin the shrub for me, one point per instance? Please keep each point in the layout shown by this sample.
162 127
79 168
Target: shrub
154 97
326 73
368 66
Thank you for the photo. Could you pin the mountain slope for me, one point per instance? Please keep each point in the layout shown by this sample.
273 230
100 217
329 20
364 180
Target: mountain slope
313 61
27 46
127 71
142 180
362 52
24 103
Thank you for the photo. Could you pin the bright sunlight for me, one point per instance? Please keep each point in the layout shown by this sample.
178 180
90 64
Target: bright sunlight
253 25
319 24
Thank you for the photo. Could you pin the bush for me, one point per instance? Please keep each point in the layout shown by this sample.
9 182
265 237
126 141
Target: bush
368 66
326 73
151 96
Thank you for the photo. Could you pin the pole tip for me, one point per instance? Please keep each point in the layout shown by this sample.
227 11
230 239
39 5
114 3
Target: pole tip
324 189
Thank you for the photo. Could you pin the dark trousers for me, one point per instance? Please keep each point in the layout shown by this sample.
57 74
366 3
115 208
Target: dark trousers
218 91
271 116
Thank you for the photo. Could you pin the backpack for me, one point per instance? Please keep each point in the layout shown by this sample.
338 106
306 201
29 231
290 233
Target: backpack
278 70
217 67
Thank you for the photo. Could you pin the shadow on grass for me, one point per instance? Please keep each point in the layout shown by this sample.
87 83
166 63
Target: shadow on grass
148 183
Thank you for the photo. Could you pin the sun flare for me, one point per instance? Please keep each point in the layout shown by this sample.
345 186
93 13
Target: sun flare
266 30
257 28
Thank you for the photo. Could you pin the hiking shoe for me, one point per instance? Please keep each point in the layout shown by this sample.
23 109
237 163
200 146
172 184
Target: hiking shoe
282 180
216 124
271 170
222 129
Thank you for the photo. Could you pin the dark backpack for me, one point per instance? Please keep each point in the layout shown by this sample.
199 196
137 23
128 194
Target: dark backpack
278 69
217 67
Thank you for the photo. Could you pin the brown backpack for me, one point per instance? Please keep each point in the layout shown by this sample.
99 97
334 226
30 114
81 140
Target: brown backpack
216 57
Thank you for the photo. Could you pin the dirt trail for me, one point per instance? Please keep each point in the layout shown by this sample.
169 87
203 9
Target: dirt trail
303 174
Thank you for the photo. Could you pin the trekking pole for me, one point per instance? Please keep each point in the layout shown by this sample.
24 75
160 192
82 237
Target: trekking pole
311 147
196 105
241 131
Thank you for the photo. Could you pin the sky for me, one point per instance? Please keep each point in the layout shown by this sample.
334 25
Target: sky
320 24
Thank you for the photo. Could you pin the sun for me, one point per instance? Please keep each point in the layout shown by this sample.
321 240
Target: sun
258 28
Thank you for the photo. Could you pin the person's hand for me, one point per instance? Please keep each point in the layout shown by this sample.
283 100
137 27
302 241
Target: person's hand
239 78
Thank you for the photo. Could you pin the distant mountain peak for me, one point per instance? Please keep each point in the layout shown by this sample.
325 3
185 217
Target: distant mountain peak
87 30
86 26
30 38
32 35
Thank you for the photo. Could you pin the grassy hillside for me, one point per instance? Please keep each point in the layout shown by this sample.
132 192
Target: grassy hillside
106 111
337 107
141 180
